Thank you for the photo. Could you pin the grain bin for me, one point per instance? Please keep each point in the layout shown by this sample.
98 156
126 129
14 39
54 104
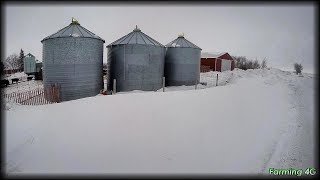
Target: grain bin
72 58
136 62
29 64
182 62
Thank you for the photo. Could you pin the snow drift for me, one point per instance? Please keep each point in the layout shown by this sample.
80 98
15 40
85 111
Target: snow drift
259 119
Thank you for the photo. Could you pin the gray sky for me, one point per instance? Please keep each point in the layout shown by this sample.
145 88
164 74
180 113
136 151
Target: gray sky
283 34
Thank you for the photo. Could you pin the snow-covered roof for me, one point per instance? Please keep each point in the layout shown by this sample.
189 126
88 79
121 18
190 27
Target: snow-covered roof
73 30
29 54
182 42
212 54
136 37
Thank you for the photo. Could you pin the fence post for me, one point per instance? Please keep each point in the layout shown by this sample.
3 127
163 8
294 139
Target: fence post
56 92
196 84
163 83
217 80
114 86
51 93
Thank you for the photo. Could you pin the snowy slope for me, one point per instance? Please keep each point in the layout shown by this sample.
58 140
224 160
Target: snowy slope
259 119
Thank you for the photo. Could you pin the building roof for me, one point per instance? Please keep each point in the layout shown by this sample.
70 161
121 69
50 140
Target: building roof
136 37
212 54
73 30
182 42
29 54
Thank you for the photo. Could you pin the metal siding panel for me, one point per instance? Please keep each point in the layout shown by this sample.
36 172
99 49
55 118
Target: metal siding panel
75 64
182 66
143 66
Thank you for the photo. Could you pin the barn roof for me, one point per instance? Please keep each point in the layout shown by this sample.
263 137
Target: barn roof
136 37
74 29
212 54
182 42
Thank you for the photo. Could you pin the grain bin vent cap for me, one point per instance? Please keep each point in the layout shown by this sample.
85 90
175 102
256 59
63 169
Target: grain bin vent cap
182 42
136 37
73 30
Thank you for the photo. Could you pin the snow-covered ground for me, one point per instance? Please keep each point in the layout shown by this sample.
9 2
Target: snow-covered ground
253 121
23 84
16 75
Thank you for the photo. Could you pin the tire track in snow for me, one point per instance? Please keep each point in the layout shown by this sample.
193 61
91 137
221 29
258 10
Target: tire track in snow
13 166
276 146
290 151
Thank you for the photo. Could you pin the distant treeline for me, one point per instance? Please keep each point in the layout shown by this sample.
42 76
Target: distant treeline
244 63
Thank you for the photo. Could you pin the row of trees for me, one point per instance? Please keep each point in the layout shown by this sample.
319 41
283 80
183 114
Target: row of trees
242 62
13 61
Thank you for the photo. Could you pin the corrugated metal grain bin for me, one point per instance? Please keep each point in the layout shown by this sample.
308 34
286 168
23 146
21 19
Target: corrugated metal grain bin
29 64
182 62
136 62
73 57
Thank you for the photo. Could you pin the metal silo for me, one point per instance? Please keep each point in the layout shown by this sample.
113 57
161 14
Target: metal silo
182 62
73 58
136 62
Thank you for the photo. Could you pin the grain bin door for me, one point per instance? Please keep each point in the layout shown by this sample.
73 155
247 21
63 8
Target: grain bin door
225 65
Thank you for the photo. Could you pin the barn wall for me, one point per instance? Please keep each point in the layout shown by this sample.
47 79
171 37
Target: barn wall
211 62
208 62
218 65
232 65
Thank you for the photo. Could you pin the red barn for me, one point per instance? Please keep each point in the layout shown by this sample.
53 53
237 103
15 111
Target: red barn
217 61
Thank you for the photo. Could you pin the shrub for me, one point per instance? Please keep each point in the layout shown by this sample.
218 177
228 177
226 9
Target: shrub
264 64
298 68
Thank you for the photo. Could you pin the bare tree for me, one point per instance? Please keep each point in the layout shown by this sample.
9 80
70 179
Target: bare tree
256 64
244 63
264 63
12 62
298 68
240 62
250 65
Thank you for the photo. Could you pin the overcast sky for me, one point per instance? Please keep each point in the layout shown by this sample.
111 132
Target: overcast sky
282 33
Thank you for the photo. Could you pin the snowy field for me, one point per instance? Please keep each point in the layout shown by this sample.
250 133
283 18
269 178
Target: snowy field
254 120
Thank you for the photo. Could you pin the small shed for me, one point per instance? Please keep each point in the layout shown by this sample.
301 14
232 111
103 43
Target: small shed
38 73
221 61
38 65
29 64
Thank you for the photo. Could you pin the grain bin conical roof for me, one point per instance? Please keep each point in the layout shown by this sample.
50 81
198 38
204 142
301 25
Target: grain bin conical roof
73 30
182 42
136 37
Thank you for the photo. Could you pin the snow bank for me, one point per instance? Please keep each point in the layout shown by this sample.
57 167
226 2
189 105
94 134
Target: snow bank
236 128
21 75
23 86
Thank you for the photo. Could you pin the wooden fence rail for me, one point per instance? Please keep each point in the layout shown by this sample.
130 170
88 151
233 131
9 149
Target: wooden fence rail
37 96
